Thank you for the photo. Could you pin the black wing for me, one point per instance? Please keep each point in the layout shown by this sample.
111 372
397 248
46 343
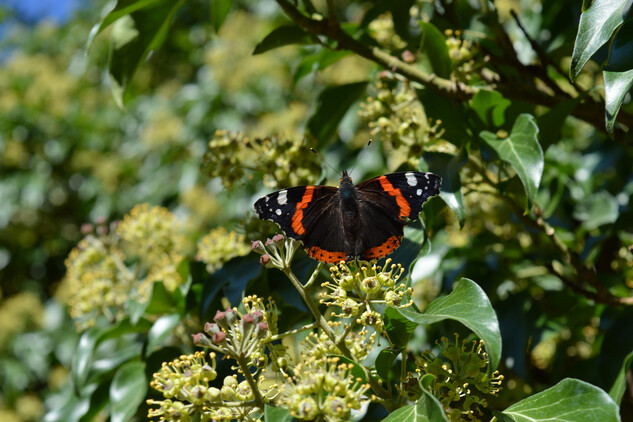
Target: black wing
388 203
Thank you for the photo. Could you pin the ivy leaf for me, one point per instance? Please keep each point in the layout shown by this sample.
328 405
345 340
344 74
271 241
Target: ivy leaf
277 414
434 58
619 386
161 329
398 327
426 409
616 85
127 391
597 25
283 35
332 105
569 400
468 305
219 11
596 210
384 361
134 36
523 152
490 107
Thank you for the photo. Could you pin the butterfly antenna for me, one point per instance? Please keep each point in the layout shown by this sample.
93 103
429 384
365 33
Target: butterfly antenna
323 159
360 155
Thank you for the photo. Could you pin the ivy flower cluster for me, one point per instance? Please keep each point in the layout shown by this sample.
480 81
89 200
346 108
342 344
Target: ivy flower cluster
114 264
276 252
319 345
283 162
461 377
220 246
322 388
357 286
462 53
397 116
185 384
382 30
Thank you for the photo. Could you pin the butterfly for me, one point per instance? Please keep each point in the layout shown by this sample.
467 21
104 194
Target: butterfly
363 221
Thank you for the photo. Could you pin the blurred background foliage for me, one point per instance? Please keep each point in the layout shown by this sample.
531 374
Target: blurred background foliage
208 127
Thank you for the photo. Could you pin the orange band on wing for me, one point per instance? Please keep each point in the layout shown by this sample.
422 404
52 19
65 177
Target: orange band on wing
384 249
403 204
297 217
325 256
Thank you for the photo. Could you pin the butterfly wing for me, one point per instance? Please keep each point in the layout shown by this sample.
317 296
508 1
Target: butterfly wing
310 214
388 203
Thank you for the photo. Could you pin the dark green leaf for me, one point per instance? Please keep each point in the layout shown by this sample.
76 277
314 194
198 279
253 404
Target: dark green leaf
597 25
434 58
384 362
161 300
283 35
398 328
616 85
448 167
469 305
219 11
161 329
276 414
523 152
415 244
619 386
127 391
490 106
122 8
569 400
426 409
133 36
621 50
332 105
550 123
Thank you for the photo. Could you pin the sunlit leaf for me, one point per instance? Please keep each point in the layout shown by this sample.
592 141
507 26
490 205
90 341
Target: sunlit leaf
434 58
127 391
162 328
616 85
426 409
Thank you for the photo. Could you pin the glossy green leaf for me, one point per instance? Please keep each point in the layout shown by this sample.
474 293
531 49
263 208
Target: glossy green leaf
469 305
398 328
415 244
448 166
597 210
570 400
133 36
84 354
161 329
426 409
283 35
219 11
127 391
332 105
616 85
161 300
122 8
490 107
522 150
597 25
619 385
384 362
276 414
621 49
434 58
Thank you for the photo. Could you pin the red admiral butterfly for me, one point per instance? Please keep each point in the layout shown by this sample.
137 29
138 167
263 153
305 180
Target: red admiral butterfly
363 221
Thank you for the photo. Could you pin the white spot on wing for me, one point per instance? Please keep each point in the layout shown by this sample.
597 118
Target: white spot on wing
282 198
418 192
411 180
278 211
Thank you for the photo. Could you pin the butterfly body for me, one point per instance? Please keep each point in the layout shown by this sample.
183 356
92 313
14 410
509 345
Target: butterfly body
363 221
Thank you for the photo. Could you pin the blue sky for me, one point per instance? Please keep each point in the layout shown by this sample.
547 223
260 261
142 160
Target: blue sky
33 11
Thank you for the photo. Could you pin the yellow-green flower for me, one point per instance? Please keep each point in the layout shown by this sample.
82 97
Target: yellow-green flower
220 246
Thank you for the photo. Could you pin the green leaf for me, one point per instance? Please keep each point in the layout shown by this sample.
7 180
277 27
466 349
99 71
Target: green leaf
616 85
426 409
434 58
621 49
448 167
219 11
127 391
398 328
332 105
523 152
384 362
570 400
415 244
161 329
283 35
619 385
597 210
552 121
490 107
84 354
133 36
597 25
319 61
122 8
276 414
469 305
161 301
